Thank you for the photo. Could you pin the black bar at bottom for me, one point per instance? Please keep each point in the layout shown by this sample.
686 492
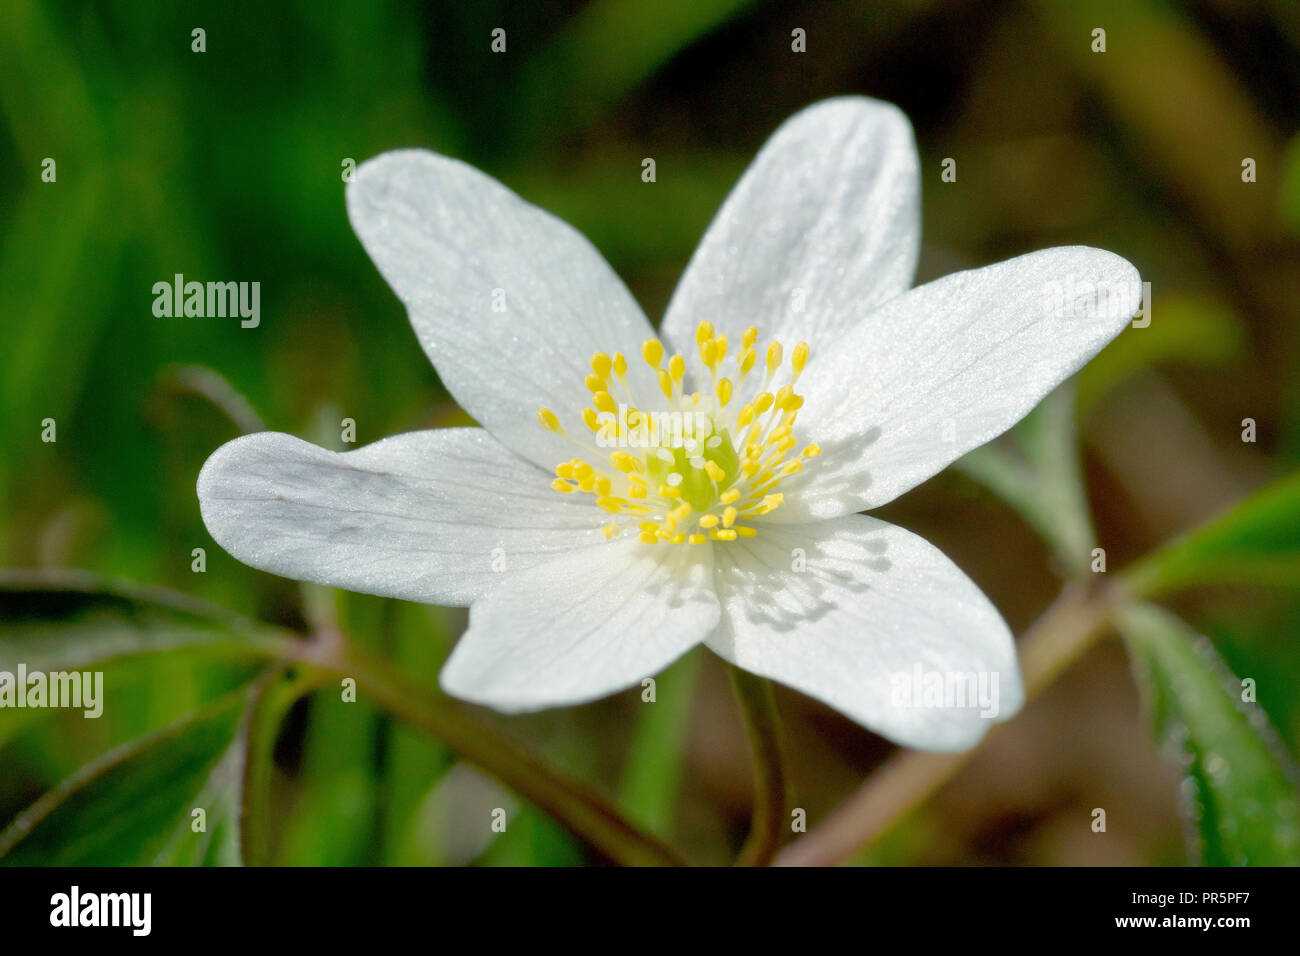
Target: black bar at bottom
618 907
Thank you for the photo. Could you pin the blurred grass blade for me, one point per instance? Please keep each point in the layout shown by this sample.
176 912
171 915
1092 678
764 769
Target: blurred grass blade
1151 40
652 775
126 808
1257 541
70 619
269 704
1240 788
604 52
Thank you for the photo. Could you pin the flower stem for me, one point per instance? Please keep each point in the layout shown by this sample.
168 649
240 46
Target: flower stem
1077 618
586 814
763 724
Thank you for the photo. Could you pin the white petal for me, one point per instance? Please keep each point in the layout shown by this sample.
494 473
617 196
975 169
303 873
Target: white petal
583 626
824 225
947 367
452 241
435 516
873 606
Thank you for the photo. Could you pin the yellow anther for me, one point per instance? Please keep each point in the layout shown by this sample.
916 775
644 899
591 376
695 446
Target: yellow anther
811 451
697 538
564 470
681 512
726 534
610 530
604 402
763 402
791 403
728 517
637 491
777 434
774 353
715 471
581 469
703 332
625 462
602 364
594 383
750 337
799 359
562 486
745 531
591 419
725 389
647 526
646 537
612 505
652 350
546 418
720 348
668 491
709 521
745 416
677 368
665 383
792 467
730 495
708 353
747 359
603 486
620 365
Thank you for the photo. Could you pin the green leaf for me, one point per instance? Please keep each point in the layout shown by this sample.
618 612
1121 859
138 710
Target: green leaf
128 807
1240 787
218 842
1036 471
63 620
1257 541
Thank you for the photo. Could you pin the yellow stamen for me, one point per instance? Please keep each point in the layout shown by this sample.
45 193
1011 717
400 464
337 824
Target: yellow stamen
547 419
711 462
652 350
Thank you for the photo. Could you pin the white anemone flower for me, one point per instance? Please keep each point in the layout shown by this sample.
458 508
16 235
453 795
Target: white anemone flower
593 551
